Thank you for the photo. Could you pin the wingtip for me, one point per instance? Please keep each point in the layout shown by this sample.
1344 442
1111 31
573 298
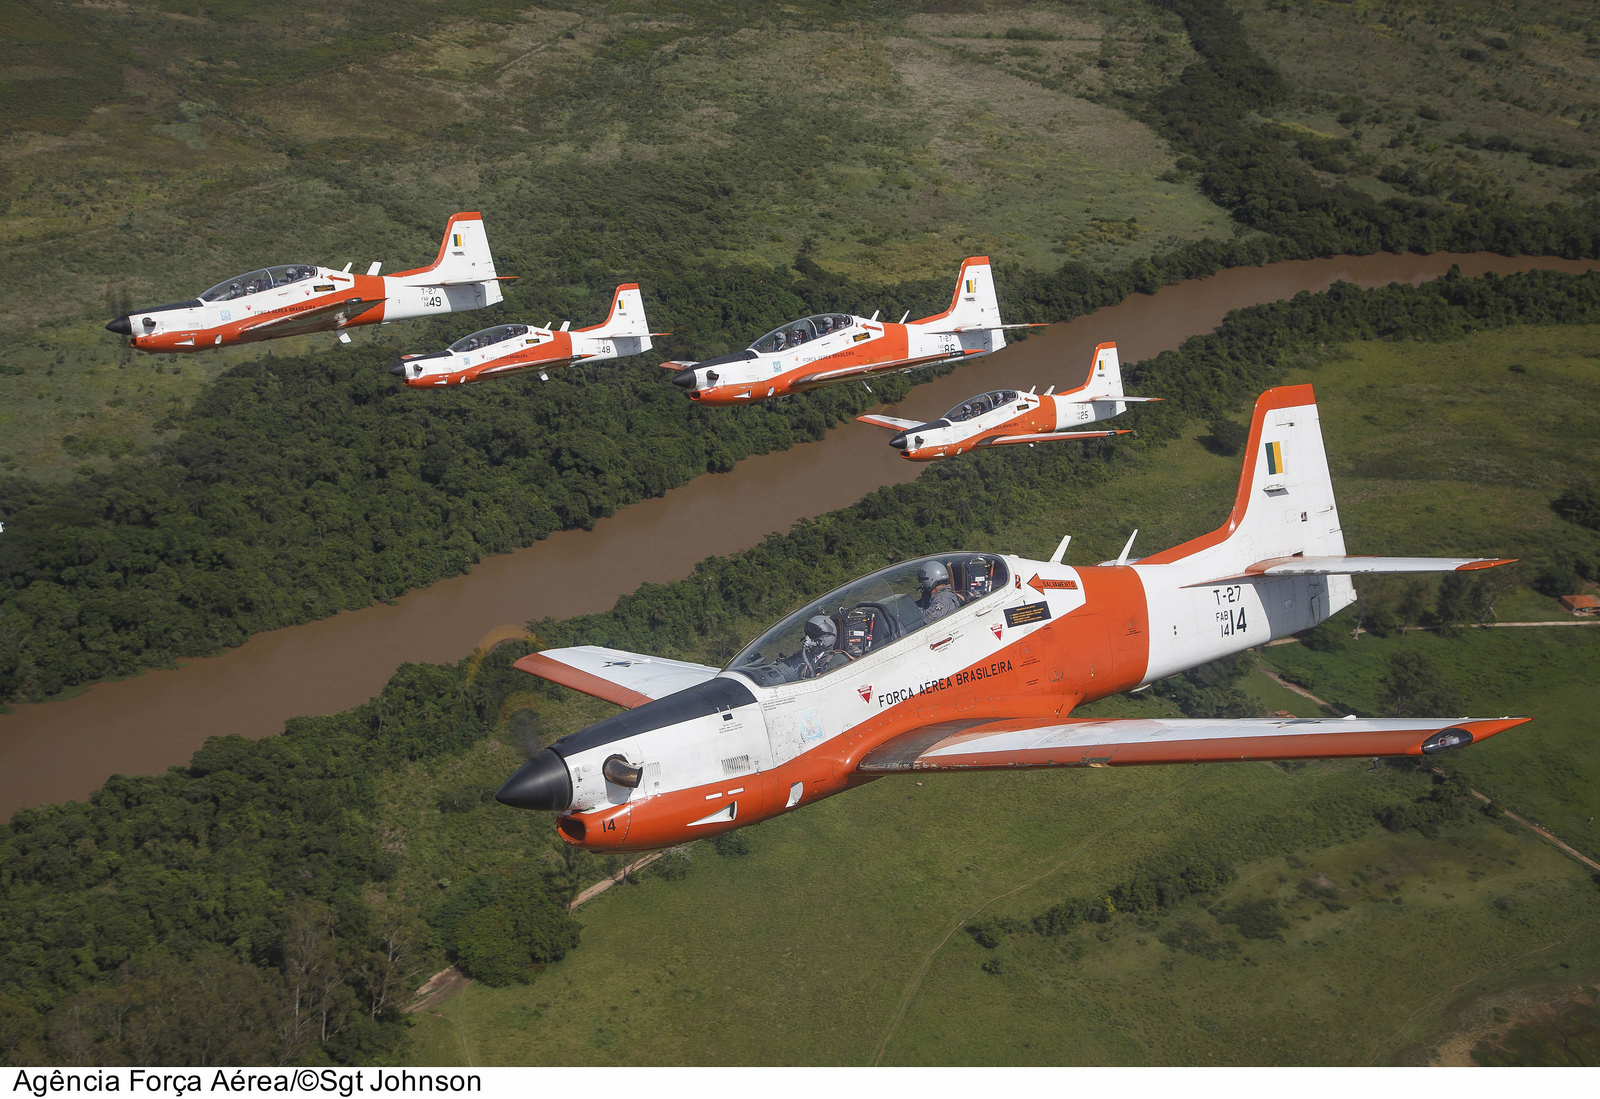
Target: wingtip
1486 563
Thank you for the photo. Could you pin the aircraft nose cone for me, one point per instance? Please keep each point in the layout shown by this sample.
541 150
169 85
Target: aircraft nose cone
899 441
398 370
541 783
122 326
684 379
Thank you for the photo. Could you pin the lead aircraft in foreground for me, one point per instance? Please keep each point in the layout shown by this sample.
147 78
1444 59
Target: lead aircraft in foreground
515 348
1005 417
296 298
975 661
831 348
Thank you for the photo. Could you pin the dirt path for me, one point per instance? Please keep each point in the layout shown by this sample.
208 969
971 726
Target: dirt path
600 887
1528 824
438 988
1295 687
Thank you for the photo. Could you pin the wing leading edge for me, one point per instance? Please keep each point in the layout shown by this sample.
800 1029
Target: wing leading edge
976 746
627 679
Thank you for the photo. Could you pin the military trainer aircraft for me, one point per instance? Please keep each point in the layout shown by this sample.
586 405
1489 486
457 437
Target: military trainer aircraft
512 348
837 347
1004 417
296 298
975 660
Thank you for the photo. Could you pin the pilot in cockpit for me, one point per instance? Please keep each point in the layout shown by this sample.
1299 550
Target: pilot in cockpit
938 599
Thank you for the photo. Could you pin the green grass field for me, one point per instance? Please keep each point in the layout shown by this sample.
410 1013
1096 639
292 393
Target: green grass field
1524 72
836 939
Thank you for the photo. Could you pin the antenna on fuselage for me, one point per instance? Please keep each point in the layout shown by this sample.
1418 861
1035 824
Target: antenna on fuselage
1049 391
875 313
1122 559
565 325
904 315
347 267
1061 551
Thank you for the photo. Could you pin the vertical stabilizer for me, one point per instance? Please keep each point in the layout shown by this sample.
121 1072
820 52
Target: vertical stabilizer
1284 506
464 260
626 317
974 307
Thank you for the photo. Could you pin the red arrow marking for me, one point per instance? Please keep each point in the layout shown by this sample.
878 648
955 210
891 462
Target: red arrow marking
1041 585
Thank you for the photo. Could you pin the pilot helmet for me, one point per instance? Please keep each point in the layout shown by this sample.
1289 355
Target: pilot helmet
932 574
820 630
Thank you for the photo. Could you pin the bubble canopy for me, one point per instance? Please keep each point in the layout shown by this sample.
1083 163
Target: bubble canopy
256 281
804 330
863 616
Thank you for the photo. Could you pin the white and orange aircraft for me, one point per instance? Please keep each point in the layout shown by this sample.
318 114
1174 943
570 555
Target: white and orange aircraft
514 348
974 661
296 298
831 348
1004 417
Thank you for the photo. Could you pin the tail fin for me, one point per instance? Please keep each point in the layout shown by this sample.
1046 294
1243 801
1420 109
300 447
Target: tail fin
1105 377
973 307
1284 506
464 259
626 317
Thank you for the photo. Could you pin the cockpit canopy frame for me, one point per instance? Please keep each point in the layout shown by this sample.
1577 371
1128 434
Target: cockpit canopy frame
980 404
255 282
787 337
488 337
863 617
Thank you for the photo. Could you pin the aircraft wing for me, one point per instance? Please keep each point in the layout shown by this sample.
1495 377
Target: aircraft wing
866 370
1346 566
998 745
1042 437
893 423
675 364
335 314
1107 397
628 679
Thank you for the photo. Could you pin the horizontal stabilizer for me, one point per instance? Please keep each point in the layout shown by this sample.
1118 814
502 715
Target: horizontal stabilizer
893 423
627 679
970 746
1118 397
1354 565
1045 437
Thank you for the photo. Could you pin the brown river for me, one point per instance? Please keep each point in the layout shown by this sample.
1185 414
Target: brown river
56 751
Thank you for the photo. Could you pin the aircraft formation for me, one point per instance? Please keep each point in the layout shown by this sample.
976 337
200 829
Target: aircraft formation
965 660
799 356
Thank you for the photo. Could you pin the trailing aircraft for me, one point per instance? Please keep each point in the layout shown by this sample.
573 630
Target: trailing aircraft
969 661
296 298
831 348
513 348
1004 417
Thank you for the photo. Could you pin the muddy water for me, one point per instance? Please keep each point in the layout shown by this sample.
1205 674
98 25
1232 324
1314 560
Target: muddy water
60 750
